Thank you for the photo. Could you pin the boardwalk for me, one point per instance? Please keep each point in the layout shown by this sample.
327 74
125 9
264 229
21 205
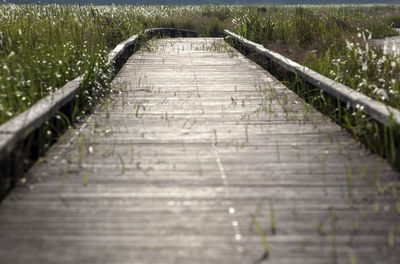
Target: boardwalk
198 157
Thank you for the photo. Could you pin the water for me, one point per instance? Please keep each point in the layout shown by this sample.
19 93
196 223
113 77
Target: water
391 44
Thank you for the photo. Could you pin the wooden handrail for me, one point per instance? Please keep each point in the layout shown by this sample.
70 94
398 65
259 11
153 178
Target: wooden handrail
382 113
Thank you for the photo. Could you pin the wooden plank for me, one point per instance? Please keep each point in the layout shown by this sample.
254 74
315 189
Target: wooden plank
174 166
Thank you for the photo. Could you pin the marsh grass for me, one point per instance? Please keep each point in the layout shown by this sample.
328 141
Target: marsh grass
43 47
352 258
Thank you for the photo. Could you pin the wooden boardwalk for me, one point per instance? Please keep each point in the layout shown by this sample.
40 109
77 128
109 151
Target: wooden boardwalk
195 153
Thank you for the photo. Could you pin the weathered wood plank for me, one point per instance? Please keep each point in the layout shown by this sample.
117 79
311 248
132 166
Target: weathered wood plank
195 143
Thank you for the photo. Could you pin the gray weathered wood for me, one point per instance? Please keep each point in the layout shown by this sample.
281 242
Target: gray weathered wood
172 168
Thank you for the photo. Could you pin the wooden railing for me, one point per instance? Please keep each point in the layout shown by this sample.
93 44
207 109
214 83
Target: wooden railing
382 113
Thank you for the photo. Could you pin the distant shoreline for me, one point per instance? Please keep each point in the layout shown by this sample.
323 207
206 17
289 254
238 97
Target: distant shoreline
207 2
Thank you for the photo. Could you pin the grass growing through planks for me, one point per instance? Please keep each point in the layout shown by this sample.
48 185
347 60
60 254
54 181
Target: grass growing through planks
85 178
391 242
122 162
277 150
352 258
263 237
321 228
273 220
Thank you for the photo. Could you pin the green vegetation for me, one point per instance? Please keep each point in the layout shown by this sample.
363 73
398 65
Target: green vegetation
272 216
263 237
44 46
353 259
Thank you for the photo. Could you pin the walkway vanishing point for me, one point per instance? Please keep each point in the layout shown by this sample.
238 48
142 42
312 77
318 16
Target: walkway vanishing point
203 157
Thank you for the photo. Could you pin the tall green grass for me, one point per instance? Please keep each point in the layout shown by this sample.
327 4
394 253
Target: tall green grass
43 47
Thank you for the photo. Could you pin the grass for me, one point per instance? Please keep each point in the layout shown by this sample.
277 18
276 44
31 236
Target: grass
263 237
43 47
352 258
321 229
277 150
391 242
85 178
121 160
272 217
